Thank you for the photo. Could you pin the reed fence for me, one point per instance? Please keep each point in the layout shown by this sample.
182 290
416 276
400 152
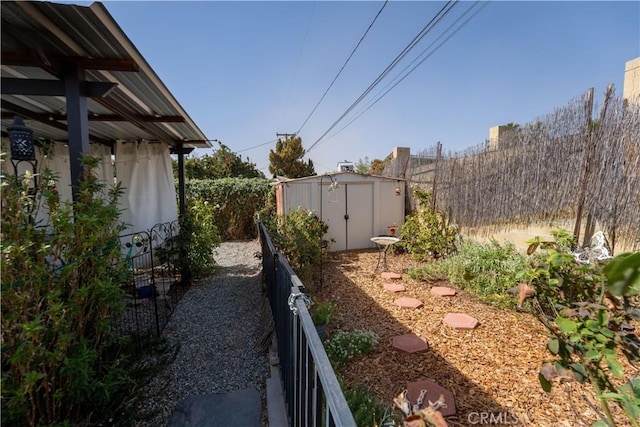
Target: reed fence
580 162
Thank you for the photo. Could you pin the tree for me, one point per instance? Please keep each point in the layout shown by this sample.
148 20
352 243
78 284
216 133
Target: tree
286 159
377 166
363 166
223 163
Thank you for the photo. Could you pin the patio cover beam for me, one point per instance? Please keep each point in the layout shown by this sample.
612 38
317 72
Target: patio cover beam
93 117
40 87
78 124
181 151
56 64
45 119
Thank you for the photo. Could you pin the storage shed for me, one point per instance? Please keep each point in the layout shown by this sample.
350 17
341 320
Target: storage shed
356 207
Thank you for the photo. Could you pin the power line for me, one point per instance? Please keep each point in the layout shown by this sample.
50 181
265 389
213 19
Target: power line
302 47
257 146
430 25
342 68
400 79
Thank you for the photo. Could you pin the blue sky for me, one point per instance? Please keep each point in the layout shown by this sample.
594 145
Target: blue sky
246 70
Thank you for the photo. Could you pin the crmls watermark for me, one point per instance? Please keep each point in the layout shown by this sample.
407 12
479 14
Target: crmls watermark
495 418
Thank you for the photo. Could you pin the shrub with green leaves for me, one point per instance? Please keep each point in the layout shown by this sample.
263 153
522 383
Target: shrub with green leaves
427 233
587 310
196 241
366 408
299 236
236 201
343 346
61 287
486 269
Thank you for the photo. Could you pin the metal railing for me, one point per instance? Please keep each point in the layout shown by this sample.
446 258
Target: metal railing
312 394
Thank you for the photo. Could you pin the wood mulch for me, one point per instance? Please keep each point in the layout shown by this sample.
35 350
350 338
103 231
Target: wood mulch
493 368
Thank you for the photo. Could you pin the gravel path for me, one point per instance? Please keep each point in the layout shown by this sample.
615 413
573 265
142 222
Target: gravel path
217 325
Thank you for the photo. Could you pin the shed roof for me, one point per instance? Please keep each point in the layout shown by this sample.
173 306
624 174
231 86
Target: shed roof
41 39
337 174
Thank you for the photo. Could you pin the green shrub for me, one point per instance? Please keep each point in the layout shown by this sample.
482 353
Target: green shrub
343 346
236 201
61 286
196 241
427 233
321 312
588 312
486 269
298 236
366 408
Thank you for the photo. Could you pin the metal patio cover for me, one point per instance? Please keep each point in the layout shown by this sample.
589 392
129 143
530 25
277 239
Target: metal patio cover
71 72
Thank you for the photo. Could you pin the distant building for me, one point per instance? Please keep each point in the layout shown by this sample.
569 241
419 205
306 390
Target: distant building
499 133
346 166
631 87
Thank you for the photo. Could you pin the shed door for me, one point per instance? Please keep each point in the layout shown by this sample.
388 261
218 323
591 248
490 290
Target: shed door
349 214
360 210
332 213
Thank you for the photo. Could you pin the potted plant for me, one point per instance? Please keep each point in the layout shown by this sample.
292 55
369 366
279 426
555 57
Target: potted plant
321 315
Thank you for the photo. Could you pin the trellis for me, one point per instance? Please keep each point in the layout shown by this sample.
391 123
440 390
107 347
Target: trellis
564 165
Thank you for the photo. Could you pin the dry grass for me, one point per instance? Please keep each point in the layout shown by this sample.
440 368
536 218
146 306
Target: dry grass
493 368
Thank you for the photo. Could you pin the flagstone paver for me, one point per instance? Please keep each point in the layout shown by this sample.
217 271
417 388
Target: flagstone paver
390 275
443 291
394 287
460 321
406 302
410 343
433 393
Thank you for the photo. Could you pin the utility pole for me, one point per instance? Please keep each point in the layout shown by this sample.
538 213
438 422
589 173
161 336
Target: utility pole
286 135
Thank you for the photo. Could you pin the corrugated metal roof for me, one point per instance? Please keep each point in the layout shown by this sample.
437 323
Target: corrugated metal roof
37 39
335 175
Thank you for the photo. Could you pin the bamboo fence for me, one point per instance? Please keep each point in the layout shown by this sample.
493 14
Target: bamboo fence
565 165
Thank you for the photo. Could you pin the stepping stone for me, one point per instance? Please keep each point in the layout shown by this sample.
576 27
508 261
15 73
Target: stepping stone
434 390
410 343
394 287
239 408
460 321
406 302
389 275
443 291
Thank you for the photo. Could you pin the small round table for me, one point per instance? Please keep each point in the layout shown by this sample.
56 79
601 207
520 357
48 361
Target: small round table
383 243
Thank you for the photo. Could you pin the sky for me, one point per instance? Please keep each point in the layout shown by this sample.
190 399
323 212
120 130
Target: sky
246 71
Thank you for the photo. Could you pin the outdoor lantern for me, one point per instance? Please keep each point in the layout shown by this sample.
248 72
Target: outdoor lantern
21 139
23 150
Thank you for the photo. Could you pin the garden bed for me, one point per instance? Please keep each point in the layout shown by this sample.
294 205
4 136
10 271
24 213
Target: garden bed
491 369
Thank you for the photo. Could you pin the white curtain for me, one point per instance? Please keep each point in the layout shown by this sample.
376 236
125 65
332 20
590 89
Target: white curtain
58 162
150 195
104 171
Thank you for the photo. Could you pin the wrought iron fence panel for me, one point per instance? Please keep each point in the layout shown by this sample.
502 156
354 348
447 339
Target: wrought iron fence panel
155 284
312 393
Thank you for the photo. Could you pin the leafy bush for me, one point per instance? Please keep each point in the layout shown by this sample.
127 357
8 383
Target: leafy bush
367 410
486 269
298 236
343 346
587 310
222 163
196 241
61 286
427 233
321 312
236 201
